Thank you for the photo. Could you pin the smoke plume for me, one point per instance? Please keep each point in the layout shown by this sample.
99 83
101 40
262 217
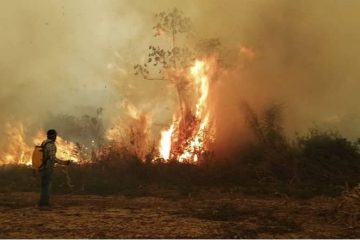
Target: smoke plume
73 57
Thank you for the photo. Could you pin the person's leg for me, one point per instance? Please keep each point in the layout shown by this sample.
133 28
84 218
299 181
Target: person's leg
45 189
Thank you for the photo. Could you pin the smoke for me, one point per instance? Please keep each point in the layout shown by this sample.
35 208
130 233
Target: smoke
305 57
55 55
72 57
308 60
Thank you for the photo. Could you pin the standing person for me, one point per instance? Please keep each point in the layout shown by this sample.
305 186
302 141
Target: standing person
47 167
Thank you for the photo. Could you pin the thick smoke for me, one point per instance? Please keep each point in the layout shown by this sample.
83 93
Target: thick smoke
72 57
308 60
55 55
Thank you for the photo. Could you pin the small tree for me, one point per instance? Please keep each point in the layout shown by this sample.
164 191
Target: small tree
175 24
172 23
270 154
172 63
267 127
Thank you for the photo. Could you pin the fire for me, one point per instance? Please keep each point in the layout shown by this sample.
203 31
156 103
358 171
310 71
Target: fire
131 131
247 52
185 140
201 80
165 143
67 150
17 151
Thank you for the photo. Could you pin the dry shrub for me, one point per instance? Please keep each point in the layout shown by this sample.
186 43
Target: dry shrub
348 210
269 156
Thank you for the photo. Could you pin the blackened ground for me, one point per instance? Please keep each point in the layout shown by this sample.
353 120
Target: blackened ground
210 214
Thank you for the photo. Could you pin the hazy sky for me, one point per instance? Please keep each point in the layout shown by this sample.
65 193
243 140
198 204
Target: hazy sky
59 56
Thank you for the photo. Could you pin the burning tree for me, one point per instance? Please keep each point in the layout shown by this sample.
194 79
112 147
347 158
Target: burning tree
186 138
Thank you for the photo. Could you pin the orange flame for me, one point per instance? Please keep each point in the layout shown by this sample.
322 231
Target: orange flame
67 150
17 151
190 148
201 80
165 143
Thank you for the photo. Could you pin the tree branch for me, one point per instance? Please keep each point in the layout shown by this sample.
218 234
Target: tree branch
156 79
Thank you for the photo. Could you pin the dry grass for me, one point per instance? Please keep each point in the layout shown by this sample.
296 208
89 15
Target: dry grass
206 215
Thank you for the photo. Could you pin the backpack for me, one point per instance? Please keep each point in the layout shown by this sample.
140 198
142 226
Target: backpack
38 157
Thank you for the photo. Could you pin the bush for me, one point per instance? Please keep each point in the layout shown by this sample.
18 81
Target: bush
328 158
270 156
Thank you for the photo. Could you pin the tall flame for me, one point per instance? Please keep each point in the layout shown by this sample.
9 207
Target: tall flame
16 150
165 143
186 141
201 80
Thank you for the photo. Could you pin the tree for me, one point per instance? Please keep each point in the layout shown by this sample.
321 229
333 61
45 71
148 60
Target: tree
172 64
172 23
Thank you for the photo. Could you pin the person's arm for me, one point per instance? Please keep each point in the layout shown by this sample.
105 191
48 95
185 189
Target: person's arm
52 155
62 162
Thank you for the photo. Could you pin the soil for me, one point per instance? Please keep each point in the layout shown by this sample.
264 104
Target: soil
206 215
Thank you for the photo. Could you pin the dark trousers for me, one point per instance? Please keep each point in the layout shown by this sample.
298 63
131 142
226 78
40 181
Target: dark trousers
46 177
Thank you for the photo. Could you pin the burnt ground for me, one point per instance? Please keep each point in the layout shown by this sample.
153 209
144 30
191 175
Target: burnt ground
205 215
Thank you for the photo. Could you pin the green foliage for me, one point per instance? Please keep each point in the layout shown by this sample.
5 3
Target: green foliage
269 157
323 160
179 56
329 158
325 145
164 59
170 23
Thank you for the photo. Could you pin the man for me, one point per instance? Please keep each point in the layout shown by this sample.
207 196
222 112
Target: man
47 167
